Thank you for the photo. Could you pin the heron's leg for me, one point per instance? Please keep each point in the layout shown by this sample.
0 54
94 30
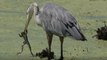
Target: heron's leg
61 40
49 38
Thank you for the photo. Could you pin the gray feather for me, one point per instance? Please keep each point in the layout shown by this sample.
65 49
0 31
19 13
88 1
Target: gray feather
57 20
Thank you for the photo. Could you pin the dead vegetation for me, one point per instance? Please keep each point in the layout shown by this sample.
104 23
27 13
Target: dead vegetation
44 54
101 32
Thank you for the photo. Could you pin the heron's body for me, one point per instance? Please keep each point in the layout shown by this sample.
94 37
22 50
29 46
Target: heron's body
55 20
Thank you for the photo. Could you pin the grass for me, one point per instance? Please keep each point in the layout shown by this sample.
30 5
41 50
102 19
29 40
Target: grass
89 13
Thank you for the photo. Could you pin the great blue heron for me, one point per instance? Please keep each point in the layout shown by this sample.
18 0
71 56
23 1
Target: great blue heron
55 20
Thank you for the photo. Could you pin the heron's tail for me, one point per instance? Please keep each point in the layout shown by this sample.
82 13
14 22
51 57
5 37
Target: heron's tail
77 34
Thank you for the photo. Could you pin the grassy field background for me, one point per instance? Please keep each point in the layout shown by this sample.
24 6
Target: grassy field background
90 14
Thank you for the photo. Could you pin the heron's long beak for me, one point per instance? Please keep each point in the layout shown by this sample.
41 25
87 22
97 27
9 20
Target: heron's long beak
30 12
29 16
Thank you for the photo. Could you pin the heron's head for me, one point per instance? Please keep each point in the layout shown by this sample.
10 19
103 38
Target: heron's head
36 8
33 8
35 4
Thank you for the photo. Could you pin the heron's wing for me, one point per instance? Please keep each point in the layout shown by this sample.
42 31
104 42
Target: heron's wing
59 21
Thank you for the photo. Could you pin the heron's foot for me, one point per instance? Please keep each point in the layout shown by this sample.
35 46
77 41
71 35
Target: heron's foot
49 59
61 58
49 56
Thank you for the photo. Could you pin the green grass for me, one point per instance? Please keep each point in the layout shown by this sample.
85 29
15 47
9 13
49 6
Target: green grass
90 14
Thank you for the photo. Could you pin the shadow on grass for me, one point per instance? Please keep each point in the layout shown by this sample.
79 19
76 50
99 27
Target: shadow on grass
66 58
86 58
